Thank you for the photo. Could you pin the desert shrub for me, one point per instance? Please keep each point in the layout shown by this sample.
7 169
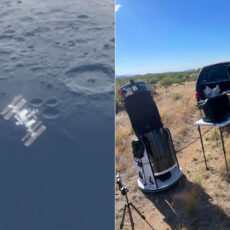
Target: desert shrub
131 130
179 79
176 96
166 82
153 81
182 227
197 180
223 173
189 198
192 78
194 159
121 135
214 135
119 107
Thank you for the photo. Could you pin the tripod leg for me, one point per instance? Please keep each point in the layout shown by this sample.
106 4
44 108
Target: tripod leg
141 215
130 216
123 217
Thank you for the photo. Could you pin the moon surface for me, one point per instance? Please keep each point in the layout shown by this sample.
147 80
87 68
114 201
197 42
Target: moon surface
60 56
50 113
36 102
52 102
90 78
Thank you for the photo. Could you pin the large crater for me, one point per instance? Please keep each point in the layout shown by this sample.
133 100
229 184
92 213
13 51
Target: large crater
90 79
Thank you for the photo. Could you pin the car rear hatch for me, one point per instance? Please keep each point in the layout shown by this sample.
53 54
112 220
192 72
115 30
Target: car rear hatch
211 76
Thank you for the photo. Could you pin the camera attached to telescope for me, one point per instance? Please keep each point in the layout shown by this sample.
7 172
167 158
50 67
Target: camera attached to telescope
128 205
123 189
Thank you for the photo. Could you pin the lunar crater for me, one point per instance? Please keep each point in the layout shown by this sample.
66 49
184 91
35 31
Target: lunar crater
94 78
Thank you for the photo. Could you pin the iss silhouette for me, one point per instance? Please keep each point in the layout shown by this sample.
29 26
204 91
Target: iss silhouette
24 116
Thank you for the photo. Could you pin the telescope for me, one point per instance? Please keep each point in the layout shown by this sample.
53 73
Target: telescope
154 155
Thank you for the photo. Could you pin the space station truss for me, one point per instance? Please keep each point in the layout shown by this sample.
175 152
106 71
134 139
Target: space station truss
19 111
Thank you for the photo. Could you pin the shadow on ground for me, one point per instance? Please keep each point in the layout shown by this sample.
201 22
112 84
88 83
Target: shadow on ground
178 214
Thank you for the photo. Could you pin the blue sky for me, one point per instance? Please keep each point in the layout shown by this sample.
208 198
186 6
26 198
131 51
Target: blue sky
171 35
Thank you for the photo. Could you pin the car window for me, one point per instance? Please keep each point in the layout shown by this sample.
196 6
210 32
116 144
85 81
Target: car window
216 74
228 70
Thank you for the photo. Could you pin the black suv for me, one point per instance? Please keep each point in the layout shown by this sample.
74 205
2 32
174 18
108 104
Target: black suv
211 76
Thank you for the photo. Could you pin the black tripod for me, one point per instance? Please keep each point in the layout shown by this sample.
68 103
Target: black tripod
128 206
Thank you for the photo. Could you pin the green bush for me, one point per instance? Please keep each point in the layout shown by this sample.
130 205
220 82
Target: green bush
166 82
193 78
176 96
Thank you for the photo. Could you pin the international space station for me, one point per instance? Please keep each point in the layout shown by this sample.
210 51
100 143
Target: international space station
24 116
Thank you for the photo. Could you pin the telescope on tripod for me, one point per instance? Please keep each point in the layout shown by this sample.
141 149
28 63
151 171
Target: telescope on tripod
154 155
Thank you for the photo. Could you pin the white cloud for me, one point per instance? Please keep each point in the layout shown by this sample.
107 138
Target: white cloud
117 7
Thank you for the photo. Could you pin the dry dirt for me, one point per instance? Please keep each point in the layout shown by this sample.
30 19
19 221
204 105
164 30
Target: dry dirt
201 199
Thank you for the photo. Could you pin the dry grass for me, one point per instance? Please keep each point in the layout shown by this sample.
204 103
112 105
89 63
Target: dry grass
223 173
197 178
183 227
189 198
215 135
124 136
176 96
222 168
177 114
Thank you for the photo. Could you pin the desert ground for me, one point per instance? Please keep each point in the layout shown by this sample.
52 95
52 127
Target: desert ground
201 199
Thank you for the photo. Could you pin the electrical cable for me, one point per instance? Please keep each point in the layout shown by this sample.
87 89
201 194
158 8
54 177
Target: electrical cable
193 141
